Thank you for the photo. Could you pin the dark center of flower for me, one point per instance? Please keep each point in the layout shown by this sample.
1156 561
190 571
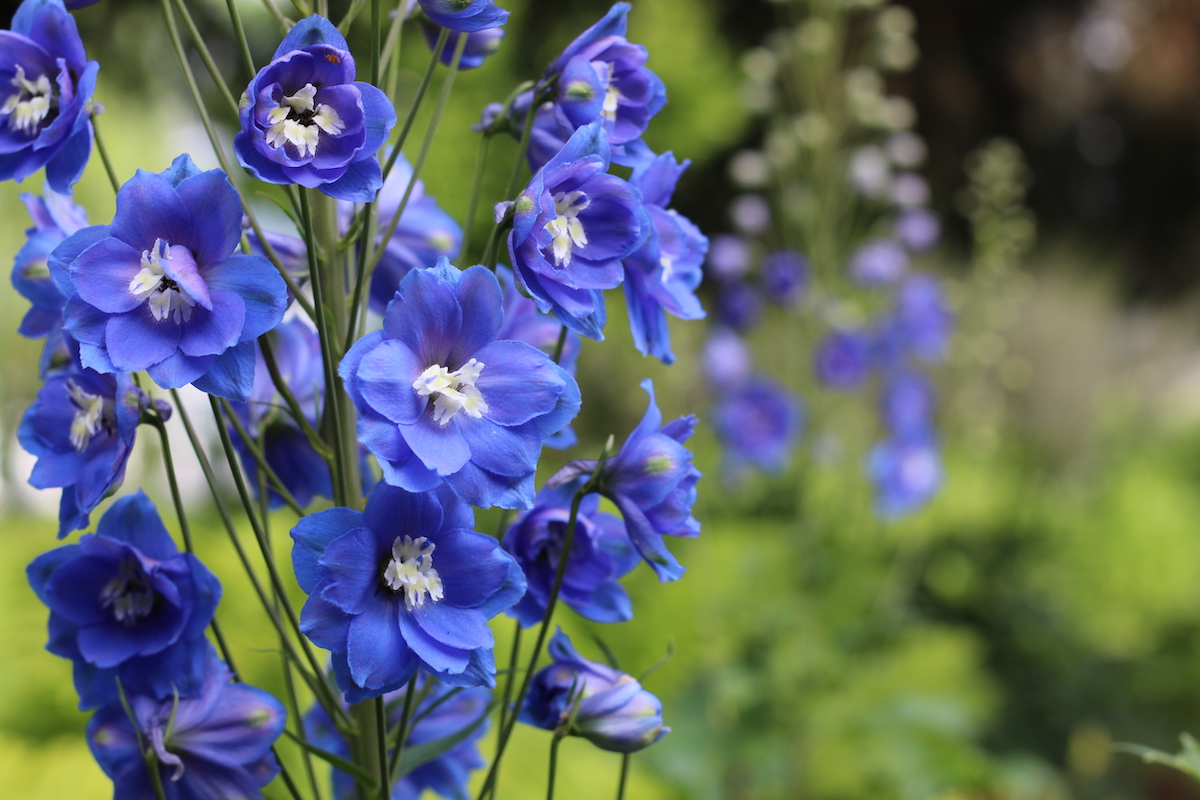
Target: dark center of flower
299 119
129 594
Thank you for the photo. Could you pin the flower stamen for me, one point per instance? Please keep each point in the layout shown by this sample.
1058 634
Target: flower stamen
92 411
164 295
30 104
452 391
298 120
129 594
566 228
411 571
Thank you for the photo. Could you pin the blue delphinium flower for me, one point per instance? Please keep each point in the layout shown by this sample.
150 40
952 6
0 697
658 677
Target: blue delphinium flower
439 714
297 352
739 305
921 319
215 744
306 120
440 398
844 358
726 359
572 226
126 604
161 288
81 427
908 405
906 471
662 275
55 217
45 119
464 16
614 711
918 228
480 44
601 554
757 425
785 276
405 584
878 262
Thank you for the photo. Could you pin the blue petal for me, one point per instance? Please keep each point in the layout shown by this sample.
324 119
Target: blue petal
359 183
211 333
471 565
426 316
351 566
136 341
148 209
375 649
436 656
178 370
396 513
260 286
216 214
101 275
324 624
385 377
464 628
311 31
311 535
230 375
518 382
378 116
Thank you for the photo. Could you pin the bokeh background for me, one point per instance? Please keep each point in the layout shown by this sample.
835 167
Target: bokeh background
992 645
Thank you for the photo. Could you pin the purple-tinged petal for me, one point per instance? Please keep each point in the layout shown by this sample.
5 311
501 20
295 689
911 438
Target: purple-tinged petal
136 341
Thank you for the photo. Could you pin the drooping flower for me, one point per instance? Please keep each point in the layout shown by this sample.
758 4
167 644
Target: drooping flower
614 711
55 217
441 399
844 358
662 275
906 471
601 554
161 288
126 604
464 16
306 120
480 44
81 427
572 226
45 118
438 715
757 425
215 744
405 584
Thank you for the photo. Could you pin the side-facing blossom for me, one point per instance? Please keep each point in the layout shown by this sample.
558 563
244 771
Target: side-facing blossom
480 44
661 276
45 118
464 16
614 712
306 120
161 289
81 427
55 217
126 604
758 424
441 399
572 226
601 554
402 585
442 711
215 744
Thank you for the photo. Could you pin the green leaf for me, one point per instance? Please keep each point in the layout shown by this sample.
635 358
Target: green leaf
1187 760
361 775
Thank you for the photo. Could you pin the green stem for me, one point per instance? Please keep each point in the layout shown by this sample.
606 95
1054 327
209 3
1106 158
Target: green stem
207 58
489 252
235 18
376 30
264 468
284 23
624 775
426 79
513 657
385 784
554 743
293 404
108 167
402 730
476 190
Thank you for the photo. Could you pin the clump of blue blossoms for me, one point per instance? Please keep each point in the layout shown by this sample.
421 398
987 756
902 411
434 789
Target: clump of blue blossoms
405 584
577 697
161 289
306 120
45 118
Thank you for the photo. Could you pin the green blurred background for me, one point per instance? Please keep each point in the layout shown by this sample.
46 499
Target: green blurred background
993 645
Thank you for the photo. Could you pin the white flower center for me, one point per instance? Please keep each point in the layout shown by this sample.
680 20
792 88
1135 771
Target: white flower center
91 412
566 227
31 104
612 95
452 391
298 121
165 296
129 594
411 571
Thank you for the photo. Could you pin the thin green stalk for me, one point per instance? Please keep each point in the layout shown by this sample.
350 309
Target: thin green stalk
560 344
624 775
293 404
443 37
366 252
298 718
235 19
293 790
513 657
554 743
489 252
392 45
476 190
219 151
283 21
376 30
264 468
402 730
108 167
206 57
385 786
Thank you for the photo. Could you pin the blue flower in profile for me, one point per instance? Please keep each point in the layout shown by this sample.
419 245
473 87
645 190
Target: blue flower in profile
601 554
442 711
81 427
480 44
614 712
214 744
161 288
405 584
302 470
662 275
844 358
441 399
305 119
464 16
45 119
572 226
906 472
757 425
55 217
126 604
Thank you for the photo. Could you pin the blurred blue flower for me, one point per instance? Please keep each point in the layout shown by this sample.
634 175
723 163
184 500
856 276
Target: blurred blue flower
878 262
739 305
126 604
908 405
757 425
480 44
601 554
464 16
405 584
614 711
48 107
785 276
306 120
726 359
214 745
161 288
441 399
922 319
728 257
843 359
906 471
918 228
